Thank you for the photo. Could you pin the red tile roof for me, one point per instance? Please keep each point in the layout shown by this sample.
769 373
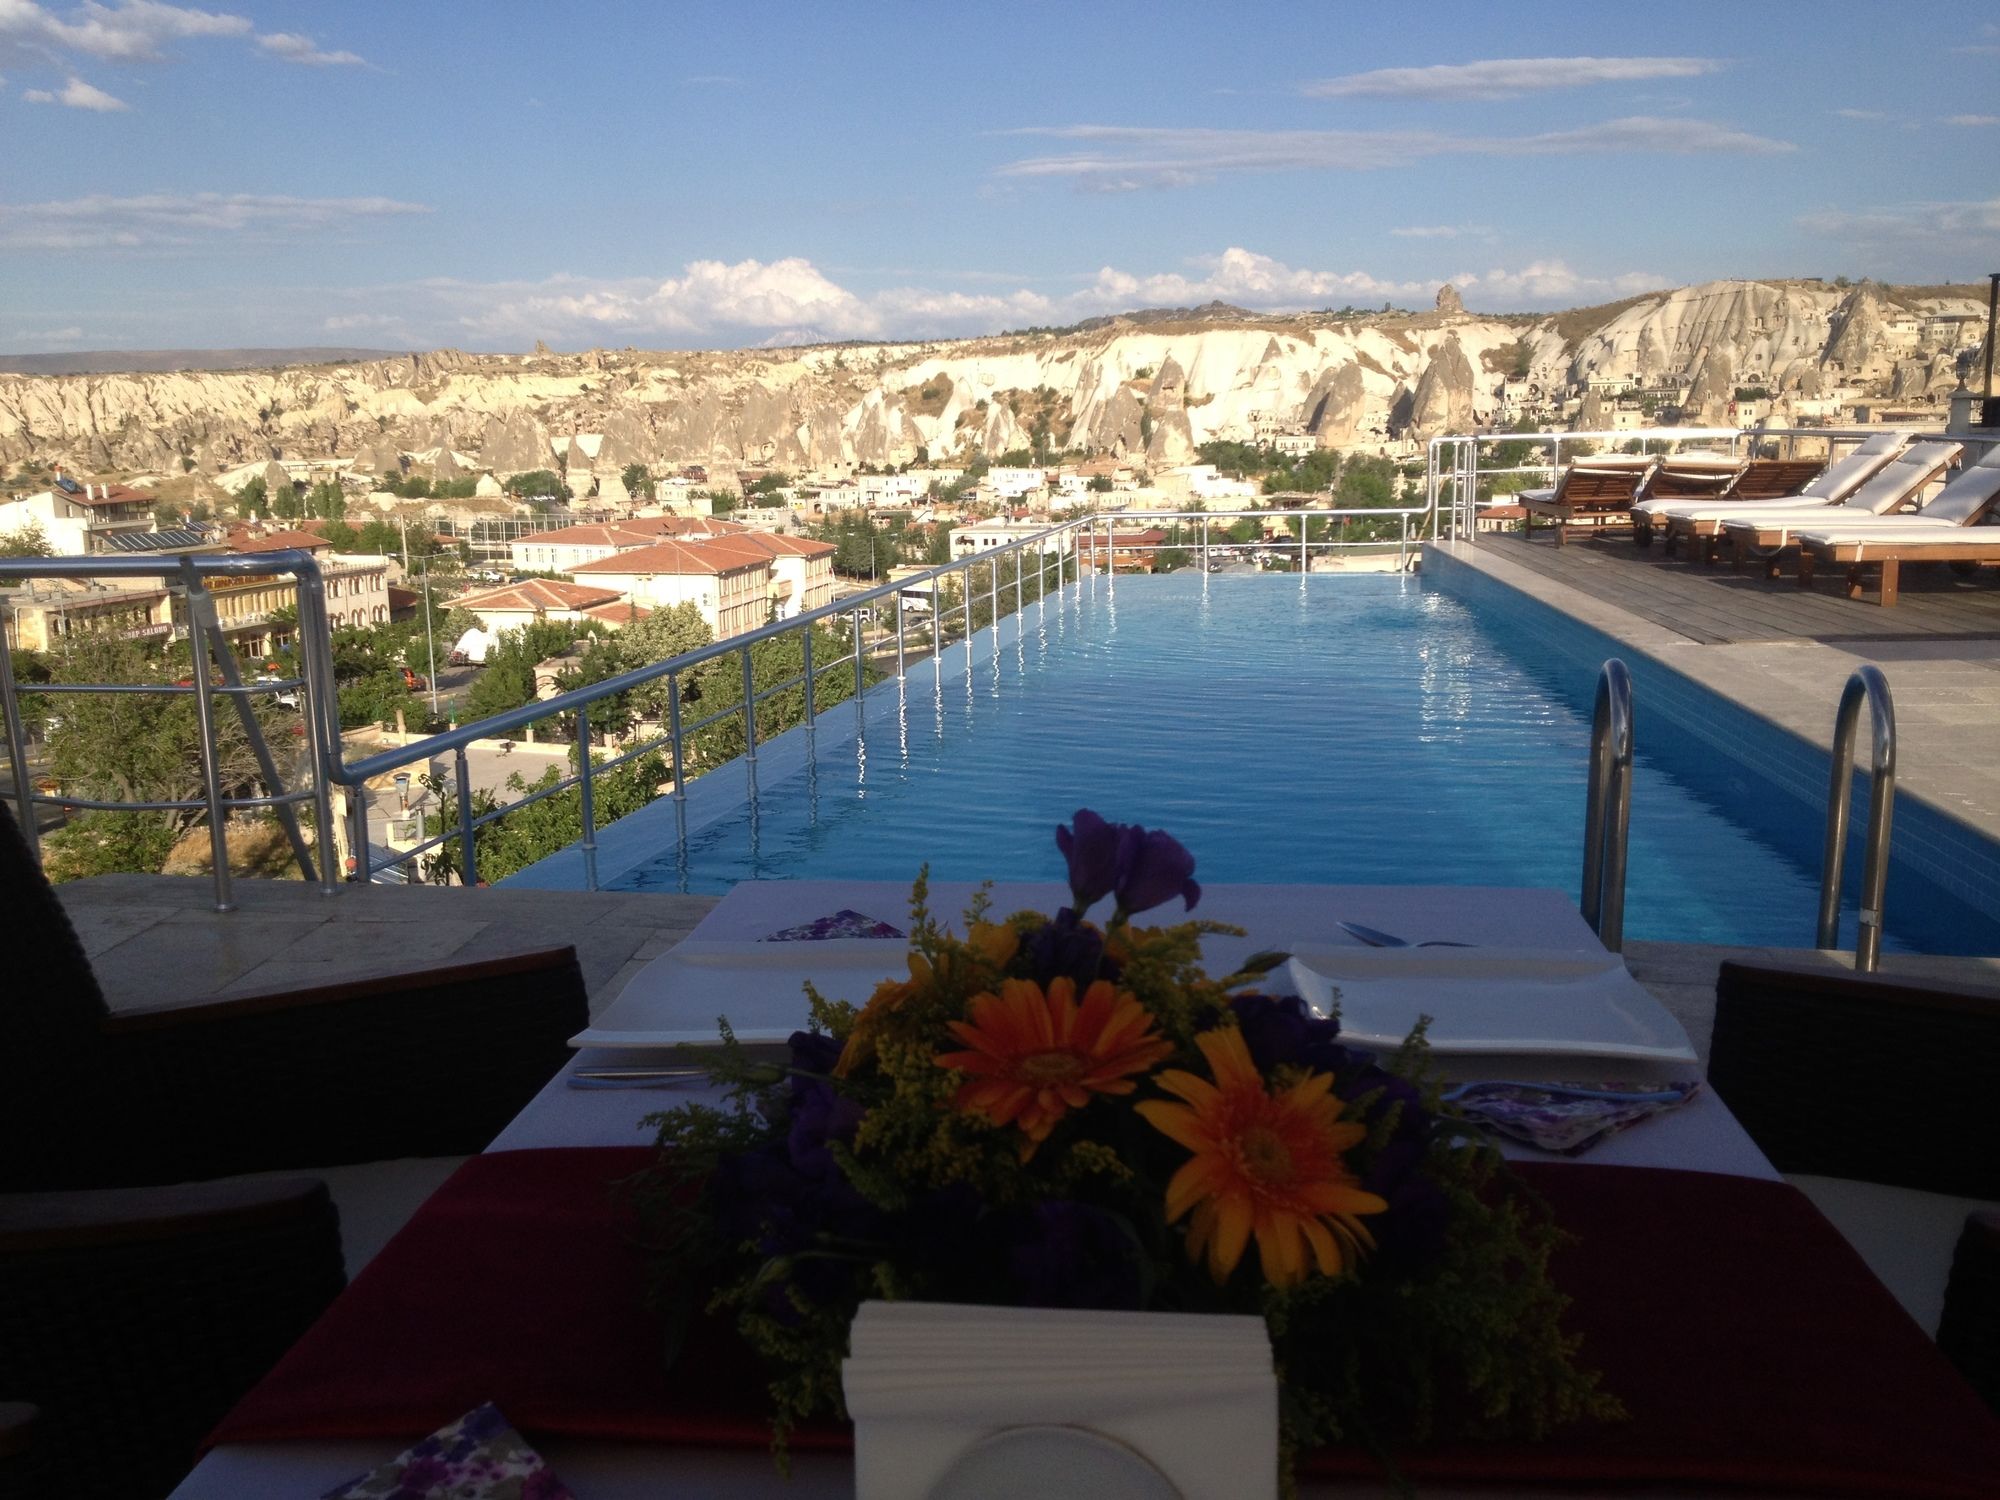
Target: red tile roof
715 555
532 595
278 541
622 613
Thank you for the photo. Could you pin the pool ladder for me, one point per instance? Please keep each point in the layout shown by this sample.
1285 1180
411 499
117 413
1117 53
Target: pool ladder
1867 686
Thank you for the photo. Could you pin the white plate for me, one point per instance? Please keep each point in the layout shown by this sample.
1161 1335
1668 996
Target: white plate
1520 1000
760 987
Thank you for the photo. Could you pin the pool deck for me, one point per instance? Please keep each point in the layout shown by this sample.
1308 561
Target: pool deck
1786 652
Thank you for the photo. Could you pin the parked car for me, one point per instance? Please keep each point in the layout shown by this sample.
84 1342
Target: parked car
458 659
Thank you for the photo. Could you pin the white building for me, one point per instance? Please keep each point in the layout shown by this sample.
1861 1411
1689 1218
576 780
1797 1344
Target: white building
77 518
984 536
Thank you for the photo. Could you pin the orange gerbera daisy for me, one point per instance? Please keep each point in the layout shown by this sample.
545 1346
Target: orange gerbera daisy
1037 1055
1264 1163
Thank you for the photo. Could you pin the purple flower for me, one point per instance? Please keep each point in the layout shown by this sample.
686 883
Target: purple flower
1065 946
1064 1254
1091 847
1153 868
1142 867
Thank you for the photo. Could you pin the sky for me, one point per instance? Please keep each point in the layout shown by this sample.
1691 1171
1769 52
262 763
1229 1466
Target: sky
486 173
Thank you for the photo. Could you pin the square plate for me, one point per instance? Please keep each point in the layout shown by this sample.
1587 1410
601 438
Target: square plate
1560 1002
676 999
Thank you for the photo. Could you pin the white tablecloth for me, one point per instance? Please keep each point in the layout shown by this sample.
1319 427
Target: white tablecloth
1702 1135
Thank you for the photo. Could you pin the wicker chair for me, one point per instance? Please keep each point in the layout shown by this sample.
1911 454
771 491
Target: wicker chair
431 1063
135 1318
1878 1080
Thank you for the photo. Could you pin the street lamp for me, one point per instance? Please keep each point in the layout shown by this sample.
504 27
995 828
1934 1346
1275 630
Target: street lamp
402 779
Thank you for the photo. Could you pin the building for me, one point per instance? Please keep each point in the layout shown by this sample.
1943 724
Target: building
729 585
79 518
568 548
512 605
984 536
801 568
357 590
1126 551
47 610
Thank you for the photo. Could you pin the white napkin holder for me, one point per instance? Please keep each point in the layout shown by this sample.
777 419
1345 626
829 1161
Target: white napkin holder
1194 1396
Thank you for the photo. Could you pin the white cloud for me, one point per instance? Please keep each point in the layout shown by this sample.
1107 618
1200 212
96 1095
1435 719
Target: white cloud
1937 229
1124 157
1507 78
41 337
293 48
132 31
1861 114
1439 231
171 219
1972 119
756 303
77 95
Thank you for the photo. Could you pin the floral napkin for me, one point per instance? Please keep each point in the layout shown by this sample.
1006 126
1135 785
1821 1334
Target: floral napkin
845 923
1565 1118
478 1457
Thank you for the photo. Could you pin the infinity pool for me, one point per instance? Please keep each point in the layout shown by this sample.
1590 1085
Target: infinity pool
1325 728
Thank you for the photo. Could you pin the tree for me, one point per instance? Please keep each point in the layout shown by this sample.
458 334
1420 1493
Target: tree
1100 484
285 504
326 500
638 481
26 540
537 482
254 499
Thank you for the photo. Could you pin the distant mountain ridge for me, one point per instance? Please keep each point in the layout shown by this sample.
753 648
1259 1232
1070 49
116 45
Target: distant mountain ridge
1152 386
161 361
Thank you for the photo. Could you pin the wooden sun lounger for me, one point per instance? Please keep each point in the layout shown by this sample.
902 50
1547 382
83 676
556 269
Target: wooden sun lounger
1964 546
1589 499
1763 479
1766 539
1831 484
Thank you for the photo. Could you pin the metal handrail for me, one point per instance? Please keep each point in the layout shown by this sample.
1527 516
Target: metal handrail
190 570
1607 815
1869 686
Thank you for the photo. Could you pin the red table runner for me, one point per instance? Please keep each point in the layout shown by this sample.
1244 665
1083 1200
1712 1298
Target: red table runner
1751 1345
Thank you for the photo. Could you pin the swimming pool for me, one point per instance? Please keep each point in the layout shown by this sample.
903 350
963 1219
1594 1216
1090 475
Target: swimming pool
1286 728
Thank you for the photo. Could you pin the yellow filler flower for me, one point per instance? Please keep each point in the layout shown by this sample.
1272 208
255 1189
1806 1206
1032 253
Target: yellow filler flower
1037 1055
1268 1164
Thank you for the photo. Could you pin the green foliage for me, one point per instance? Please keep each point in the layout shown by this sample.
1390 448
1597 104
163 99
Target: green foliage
537 482
520 838
1316 471
326 500
1100 484
254 499
938 551
1016 458
107 843
638 481
1752 393
26 540
286 505
509 678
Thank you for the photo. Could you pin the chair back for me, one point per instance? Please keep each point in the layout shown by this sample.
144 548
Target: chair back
1903 477
1775 478
1844 476
52 999
1970 495
1861 1076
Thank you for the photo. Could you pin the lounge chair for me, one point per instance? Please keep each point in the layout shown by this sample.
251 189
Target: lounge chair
136 1318
1952 528
1702 519
1898 485
1758 479
1592 495
428 1063
1792 1052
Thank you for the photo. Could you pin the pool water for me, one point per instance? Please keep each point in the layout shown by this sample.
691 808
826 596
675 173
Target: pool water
1326 728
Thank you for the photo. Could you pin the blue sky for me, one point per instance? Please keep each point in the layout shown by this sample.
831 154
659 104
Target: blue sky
694 175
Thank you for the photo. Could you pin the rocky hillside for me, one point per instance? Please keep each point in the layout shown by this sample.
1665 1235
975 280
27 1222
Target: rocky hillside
1156 385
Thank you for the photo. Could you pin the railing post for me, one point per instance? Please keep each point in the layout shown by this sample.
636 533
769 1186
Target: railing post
749 708
17 734
1608 806
211 769
674 735
1869 686
937 634
588 799
1204 544
468 849
860 678
900 666
806 636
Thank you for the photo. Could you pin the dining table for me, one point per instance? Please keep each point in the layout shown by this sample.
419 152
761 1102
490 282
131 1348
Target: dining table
1693 1244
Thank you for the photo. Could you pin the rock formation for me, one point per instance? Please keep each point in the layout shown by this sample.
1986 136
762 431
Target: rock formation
1152 386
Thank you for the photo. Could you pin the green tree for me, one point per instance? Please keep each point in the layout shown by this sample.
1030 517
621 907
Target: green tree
537 482
326 500
26 540
254 499
638 481
285 505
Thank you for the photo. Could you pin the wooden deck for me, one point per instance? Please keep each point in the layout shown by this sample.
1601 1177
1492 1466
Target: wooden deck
1719 605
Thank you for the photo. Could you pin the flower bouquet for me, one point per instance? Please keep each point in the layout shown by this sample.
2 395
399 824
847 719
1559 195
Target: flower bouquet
1051 1112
